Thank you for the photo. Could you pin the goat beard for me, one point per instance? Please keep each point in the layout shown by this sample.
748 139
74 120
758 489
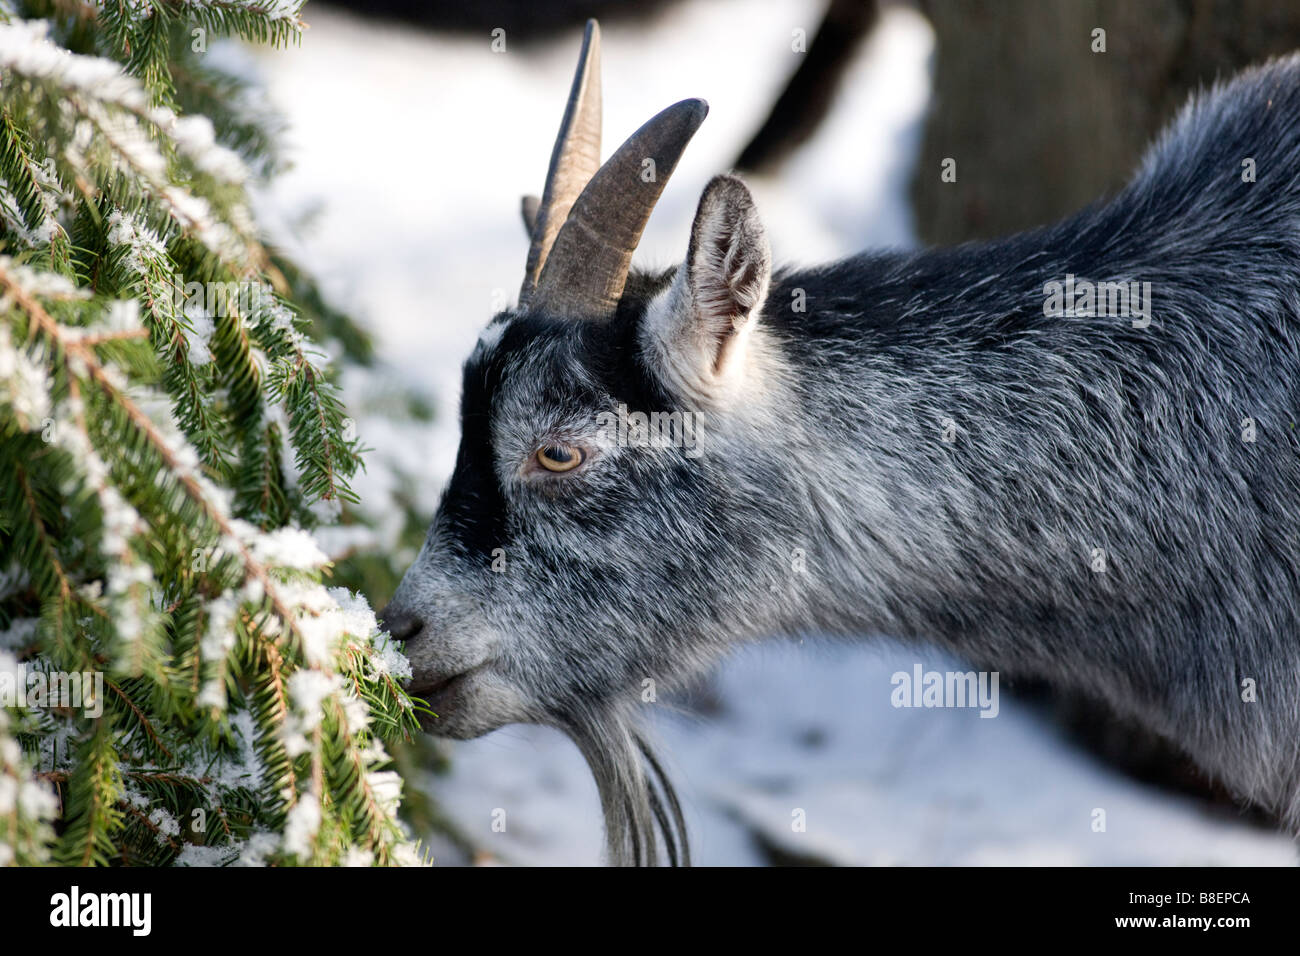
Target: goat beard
638 801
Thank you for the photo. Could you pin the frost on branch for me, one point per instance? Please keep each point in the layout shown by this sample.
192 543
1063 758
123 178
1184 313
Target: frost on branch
165 454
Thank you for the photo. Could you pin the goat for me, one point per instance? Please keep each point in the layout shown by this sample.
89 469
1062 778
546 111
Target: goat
924 444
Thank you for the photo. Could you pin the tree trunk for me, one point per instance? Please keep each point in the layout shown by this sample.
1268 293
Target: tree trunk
1040 125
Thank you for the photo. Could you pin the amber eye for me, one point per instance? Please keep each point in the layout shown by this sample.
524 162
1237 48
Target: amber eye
559 457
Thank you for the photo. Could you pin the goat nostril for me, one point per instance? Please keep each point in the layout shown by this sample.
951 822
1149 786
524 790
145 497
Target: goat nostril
401 625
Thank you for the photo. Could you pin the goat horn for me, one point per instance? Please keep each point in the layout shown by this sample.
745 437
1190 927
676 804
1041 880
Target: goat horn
574 160
528 207
584 274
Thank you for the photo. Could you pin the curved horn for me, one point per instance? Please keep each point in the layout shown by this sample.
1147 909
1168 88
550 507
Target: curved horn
574 160
528 207
584 274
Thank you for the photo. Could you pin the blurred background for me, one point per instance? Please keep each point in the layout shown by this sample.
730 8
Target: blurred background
412 129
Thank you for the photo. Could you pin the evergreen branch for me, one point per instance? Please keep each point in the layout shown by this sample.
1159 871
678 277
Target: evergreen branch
86 358
47 545
373 813
140 716
104 184
125 335
150 283
149 824
189 212
93 789
24 183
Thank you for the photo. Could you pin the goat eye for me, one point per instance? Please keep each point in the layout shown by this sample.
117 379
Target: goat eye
559 457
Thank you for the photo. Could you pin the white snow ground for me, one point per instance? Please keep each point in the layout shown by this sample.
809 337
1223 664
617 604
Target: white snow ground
418 233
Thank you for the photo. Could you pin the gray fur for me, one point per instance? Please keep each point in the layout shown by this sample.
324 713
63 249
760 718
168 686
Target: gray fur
824 432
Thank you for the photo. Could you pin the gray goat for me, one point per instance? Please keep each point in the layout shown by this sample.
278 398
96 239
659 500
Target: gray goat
977 446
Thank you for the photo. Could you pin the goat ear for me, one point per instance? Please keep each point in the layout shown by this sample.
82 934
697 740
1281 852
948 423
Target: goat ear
700 333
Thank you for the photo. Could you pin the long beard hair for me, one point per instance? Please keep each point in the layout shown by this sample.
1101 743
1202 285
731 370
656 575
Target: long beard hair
640 807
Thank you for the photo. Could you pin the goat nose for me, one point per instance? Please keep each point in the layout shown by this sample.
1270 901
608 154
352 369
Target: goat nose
401 624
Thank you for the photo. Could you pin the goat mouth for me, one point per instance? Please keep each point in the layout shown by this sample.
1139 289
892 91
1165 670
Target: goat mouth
440 688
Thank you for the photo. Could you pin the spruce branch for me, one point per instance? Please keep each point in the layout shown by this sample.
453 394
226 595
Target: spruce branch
159 459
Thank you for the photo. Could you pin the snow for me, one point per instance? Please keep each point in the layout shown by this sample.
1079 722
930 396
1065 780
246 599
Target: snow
386 785
192 854
26 50
166 824
358 857
420 236
810 727
256 849
24 384
301 825
20 795
276 9
308 690
198 336
219 637
195 214
196 138
292 548
245 769
134 232
49 196
42 284
356 618
20 633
